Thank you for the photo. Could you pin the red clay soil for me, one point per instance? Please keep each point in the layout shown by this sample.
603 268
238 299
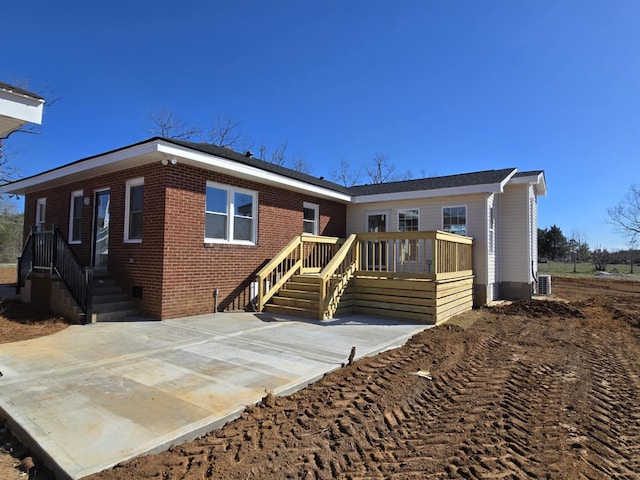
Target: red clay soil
536 389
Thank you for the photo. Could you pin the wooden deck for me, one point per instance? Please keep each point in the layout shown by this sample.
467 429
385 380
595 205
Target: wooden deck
423 276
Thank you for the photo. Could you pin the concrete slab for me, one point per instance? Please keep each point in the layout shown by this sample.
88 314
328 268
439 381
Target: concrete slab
92 396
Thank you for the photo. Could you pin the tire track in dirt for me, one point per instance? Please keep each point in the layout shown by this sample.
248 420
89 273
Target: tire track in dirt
613 435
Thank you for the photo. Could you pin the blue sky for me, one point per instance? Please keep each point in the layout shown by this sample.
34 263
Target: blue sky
440 87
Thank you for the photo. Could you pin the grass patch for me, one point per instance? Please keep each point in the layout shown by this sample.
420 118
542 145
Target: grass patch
586 269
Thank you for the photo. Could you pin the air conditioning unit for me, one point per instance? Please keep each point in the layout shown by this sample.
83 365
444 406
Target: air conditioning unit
544 284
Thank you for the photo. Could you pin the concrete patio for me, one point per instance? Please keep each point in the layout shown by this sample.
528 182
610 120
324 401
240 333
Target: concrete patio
89 397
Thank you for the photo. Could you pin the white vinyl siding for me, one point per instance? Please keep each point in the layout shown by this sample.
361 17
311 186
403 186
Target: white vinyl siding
430 218
515 235
76 206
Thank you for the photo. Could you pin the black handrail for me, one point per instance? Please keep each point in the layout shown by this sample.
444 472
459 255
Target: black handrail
49 251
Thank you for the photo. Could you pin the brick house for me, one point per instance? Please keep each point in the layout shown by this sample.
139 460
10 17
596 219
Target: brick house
182 228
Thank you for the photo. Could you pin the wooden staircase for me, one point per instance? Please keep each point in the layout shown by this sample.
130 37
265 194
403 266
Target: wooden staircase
300 296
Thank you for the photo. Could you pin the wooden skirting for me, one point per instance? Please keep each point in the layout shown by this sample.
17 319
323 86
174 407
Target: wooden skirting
420 299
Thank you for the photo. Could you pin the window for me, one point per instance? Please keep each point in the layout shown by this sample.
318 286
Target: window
230 214
492 230
454 220
75 217
41 208
408 221
134 206
310 218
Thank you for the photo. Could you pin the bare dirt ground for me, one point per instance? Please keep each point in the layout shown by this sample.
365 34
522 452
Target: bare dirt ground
536 389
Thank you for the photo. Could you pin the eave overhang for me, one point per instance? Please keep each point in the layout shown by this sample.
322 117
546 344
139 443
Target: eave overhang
537 179
17 109
497 187
161 153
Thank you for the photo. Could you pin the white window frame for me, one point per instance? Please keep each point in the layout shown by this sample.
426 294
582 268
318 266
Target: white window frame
372 213
316 217
134 182
405 246
231 191
466 218
492 231
41 222
72 211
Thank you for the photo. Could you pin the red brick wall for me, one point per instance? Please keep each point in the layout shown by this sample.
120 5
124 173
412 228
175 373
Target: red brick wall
176 269
193 269
129 263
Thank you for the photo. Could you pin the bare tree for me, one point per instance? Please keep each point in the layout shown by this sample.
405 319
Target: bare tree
301 165
625 216
600 258
168 125
380 170
279 155
225 132
346 175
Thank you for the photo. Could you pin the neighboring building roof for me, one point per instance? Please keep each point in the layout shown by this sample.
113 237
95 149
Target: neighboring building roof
19 91
17 108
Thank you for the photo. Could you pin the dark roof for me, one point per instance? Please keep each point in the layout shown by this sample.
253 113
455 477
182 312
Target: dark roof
434 183
529 173
19 91
261 164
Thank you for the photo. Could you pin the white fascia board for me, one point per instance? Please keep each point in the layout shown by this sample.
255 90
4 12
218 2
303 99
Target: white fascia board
440 192
235 169
78 168
537 180
21 107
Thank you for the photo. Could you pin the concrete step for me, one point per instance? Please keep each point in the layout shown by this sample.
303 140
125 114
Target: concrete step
113 306
118 315
98 292
104 282
109 297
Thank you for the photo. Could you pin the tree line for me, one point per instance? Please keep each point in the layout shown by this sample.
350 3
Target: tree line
553 245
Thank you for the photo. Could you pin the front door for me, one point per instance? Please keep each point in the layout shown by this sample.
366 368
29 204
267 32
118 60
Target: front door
101 229
376 249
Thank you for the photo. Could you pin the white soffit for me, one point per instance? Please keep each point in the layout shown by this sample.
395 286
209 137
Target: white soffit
219 164
17 109
536 179
156 151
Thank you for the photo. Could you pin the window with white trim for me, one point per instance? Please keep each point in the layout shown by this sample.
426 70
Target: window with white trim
41 208
133 210
230 214
492 231
75 216
409 221
311 218
454 219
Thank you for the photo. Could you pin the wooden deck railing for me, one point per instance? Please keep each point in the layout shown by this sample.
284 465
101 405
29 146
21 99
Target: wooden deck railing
428 256
336 275
304 254
432 255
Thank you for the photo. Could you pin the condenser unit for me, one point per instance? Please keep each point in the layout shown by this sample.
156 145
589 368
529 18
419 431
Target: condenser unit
544 284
